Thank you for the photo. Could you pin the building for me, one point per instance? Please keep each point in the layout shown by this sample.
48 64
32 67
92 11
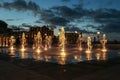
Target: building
71 37
43 30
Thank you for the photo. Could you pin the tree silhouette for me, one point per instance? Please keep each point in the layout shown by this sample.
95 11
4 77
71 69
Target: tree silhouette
3 26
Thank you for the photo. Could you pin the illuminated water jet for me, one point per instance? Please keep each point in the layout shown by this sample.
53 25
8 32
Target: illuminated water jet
79 42
23 42
89 45
103 42
12 41
62 58
62 39
38 42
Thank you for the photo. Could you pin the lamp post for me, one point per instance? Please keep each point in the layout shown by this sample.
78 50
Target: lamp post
98 36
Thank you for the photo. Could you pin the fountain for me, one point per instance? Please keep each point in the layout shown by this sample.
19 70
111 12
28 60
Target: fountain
103 42
88 56
78 57
104 55
3 43
47 42
23 42
62 58
79 41
61 54
47 58
12 41
6 41
38 42
62 39
89 45
98 56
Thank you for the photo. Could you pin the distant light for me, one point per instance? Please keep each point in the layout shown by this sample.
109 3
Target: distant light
76 32
98 33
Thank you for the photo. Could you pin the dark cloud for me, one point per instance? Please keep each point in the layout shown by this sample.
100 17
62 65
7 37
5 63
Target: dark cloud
26 25
91 26
106 16
13 26
72 29
69 13
10 19
110 19
59 21
38 21
46 14
21 5
13 19
111 28
107 13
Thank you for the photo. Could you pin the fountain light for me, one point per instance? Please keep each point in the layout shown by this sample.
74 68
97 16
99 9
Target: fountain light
63 54
89 45
104 57
38 50
78 57
11 48
22 49
103 42
62 58
104 50
98 55
37 42
47 42
88 51
89 56
80 49
47 58
79 42
23 55
62 39
45 48
12 52
12 41
23 42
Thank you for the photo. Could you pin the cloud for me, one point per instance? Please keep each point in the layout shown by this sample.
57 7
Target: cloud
38 21
111 28
59 21
91 26
13 19
67 12
10 19
73 28
64 15
110 19
26 25
22 5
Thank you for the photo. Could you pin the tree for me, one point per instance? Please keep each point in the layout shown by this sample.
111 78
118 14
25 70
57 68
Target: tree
3 26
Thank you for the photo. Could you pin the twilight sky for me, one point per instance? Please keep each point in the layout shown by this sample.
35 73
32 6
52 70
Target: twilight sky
87 16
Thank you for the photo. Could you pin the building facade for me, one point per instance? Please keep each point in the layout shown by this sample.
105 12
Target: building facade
72 37
43 30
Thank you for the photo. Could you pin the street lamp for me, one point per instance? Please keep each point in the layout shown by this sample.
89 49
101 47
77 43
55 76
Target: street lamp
98 35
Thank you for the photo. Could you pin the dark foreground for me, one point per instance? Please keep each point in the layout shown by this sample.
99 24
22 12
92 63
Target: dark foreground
16 69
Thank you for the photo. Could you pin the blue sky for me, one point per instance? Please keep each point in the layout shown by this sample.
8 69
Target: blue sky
87 15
